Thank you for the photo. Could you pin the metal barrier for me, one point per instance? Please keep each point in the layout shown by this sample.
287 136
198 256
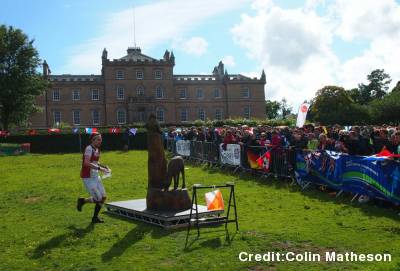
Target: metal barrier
279 163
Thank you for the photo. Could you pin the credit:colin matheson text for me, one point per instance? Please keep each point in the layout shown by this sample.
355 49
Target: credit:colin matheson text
329 256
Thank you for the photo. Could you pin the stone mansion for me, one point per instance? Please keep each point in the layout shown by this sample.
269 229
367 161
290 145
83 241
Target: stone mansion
133 86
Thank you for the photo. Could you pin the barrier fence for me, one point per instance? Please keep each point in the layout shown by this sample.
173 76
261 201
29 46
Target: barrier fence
376 177
262 160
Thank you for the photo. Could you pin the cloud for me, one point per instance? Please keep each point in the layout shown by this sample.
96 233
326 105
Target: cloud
169 20
295 46
229 61
367 19
195 46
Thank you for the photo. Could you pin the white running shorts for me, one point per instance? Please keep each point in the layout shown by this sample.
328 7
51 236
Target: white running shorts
95 188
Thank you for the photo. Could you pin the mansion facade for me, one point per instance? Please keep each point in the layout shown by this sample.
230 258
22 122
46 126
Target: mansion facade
132 87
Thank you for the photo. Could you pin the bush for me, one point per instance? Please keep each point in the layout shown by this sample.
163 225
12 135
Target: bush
67 143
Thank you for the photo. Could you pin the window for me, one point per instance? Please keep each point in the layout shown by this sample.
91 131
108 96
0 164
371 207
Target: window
56 95
159 93
121 116
139 74
119 75
158 74
76 117
95 95
182 93
184 115
76 95
245 93
142 116
140 91
217 93
96 117
199 93
120 93
202 114
57 117
218 114
247 112
160 115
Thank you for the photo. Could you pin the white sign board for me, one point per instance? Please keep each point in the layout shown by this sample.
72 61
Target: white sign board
183 147
231 155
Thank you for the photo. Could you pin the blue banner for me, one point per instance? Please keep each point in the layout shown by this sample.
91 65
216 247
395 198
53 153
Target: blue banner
375 177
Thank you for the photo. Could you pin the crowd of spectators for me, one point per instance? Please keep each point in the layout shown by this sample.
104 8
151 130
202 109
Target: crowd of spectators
356 140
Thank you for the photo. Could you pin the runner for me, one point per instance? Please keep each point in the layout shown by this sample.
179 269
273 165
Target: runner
90 176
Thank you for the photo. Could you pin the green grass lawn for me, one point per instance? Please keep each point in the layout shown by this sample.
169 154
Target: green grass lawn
41 229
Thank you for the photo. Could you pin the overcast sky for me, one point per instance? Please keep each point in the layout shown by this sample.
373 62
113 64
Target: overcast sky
302 45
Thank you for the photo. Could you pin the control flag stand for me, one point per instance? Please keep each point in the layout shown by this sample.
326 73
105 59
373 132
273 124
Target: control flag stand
198 221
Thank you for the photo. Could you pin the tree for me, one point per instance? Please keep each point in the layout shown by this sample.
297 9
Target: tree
285 109
333 104
387 110
20 83
397 87
272 109
376 89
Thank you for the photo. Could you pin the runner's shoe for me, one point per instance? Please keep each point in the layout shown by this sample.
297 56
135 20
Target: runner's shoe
79 204
97 220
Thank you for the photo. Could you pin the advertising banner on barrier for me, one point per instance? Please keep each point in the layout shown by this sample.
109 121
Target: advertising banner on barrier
183 147
370 176
231 155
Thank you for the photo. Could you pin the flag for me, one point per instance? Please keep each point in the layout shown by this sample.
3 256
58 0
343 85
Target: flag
4 133
90 130
324 129
250 130
32 132
382 155
252 159
302 114
214 200
132 131
114 130
75 130
264 161
54 130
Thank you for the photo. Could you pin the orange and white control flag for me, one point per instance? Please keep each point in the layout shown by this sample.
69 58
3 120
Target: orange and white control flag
214 200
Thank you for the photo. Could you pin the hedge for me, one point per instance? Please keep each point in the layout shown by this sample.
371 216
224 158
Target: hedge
67 143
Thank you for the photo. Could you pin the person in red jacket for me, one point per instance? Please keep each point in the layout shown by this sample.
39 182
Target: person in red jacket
229 139
90 176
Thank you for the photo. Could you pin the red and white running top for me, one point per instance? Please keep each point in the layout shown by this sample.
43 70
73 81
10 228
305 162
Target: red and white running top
94 154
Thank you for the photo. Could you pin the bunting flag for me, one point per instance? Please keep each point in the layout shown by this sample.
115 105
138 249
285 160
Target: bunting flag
214 200
132 131
54 130
264 161
90 131
114 130
32 132
252 159
4 133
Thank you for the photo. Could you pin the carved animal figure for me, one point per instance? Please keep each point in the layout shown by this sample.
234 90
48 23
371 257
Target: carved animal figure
175 166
